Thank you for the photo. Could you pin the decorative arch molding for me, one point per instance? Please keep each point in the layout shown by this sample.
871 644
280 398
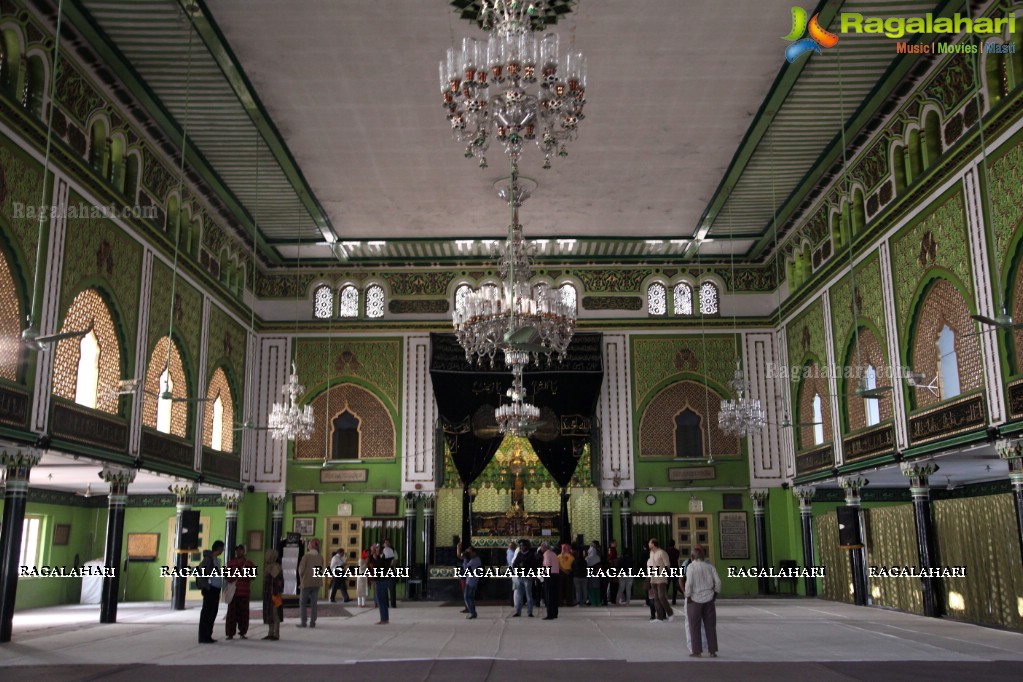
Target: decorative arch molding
376 427
939 304
158 361
870 351
657 426
12 307
813 381
220 386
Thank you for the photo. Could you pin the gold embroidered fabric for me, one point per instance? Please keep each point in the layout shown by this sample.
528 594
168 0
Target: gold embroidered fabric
891 541
837 583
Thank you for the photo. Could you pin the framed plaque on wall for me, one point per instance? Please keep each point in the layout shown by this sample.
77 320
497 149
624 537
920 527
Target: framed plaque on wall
733 534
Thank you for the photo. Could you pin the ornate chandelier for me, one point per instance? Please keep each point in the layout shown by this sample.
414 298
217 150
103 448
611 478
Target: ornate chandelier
515 87
287 420
515 318
518 418
740 416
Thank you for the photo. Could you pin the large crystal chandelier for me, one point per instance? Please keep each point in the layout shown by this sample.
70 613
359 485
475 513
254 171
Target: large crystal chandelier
515 318
740 416
517 418
287 420
516 87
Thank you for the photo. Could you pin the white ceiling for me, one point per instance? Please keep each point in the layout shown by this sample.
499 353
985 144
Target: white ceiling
77 474
352 87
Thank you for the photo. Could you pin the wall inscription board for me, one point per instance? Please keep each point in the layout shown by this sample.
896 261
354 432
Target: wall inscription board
733 535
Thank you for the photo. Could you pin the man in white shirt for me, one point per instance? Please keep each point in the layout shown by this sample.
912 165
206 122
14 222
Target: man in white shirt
391 560
702 587
657 567
338 582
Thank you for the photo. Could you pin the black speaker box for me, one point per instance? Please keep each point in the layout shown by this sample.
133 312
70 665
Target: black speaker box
190 529
849 527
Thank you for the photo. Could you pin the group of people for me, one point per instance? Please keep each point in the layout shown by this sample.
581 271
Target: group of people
698 581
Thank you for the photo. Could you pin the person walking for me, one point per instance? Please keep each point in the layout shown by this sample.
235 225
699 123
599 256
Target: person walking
210 582
310 570
273 594
362 580
525 560
240 572
593 575
673 559
470 567
337 580
657 566
703 584
624 566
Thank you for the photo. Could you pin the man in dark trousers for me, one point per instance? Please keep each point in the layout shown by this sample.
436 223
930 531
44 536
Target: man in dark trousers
673 557
550 583
209 582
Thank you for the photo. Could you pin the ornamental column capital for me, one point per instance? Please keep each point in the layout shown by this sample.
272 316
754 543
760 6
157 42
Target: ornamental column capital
805 494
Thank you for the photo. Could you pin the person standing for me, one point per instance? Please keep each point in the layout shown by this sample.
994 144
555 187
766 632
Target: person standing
525 560
610 593
338 581
273 594
703 584
551 582
390 563
509 558
209 581
657 567
673 557
240 572
624 566
579 575
470 566
310 570
565 561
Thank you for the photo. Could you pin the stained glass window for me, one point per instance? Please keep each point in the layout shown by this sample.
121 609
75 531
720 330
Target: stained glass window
349 305
218 419
375 301
89 307
708 299
323 302
166 416
10 322
656 299
683 299
569 296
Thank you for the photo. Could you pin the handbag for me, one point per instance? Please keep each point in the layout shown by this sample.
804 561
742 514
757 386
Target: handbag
277 600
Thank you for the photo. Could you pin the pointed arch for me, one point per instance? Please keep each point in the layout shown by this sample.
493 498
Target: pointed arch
656 300
89 307
218 424
940 305
375 301
157 372
11 316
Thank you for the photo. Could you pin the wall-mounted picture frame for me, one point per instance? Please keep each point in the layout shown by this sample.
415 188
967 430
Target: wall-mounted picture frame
61 534
304 503
733 535
731 501
303 525
385 505
143 546
254 541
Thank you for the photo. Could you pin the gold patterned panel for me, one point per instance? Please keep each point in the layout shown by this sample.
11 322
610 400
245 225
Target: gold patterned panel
376 429
10 323
891 541
837 583
219 388
89 308
153 388
980 533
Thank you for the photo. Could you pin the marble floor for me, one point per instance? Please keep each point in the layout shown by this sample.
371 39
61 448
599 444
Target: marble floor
791 639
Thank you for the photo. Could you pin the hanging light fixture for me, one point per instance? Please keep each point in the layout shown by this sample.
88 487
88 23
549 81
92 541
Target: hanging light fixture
289 421
517 418
516 87
743 414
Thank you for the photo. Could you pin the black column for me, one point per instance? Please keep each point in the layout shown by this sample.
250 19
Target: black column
805 496
18 463
232 501
607 529
185 494
277 518
118 478
566 526
759 497
1012 453
429 533
410 538
920 490
852 486
466 517
626 520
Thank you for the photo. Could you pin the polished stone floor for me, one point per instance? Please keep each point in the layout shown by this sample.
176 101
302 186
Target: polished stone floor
759 639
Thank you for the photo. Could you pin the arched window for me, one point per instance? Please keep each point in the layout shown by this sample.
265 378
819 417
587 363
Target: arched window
916 156
995 69
873 408
374 301
35 86
683 299
899 168
173 215
656 299
948 364
569 297
323 302
345 436
131 177
87 385
349 302
859 212
98 147
932 135
218 419
87 308
166 416
818 418
164 404
10 62
688 434
10 322
115 173
708 299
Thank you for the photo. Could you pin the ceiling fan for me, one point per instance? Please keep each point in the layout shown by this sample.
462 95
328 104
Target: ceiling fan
32 341
88 492
917 380
166 394
875 393
1001 321
787 423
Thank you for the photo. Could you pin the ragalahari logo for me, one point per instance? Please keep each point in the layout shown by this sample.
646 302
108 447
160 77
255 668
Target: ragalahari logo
817 39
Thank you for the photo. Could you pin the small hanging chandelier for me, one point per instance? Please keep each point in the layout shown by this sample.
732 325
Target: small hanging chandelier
287 420
518 418
740 416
